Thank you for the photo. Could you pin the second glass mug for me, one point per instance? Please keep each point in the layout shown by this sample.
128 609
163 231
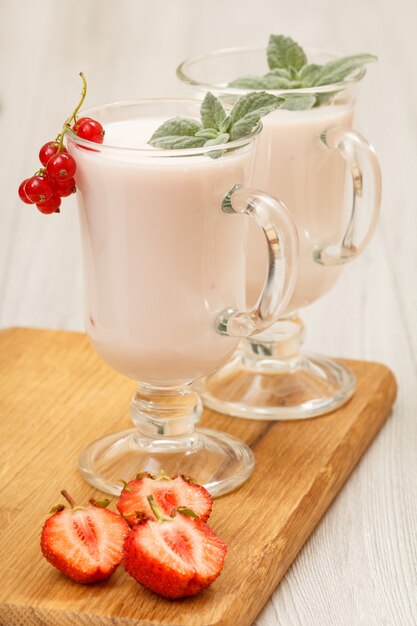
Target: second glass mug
165 279
306 158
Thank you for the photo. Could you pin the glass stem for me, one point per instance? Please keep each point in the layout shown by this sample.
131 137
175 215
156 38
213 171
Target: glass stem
281 342
165 411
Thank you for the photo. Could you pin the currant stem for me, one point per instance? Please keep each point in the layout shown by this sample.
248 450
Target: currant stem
68 121
83 95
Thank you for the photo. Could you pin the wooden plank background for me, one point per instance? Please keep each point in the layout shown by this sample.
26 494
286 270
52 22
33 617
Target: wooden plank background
359 567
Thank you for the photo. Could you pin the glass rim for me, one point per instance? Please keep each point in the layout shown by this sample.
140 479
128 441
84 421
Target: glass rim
183 77
151 151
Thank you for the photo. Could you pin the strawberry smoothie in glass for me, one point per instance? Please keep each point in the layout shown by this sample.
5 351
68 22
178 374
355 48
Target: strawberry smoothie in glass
328 177
165 281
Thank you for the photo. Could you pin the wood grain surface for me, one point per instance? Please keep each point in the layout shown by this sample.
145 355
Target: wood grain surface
359 567
57 396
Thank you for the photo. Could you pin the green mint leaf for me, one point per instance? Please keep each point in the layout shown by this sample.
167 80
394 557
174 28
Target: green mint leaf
221 138
225 125
282 78
246 124
309 74
207 133
176 127
212 112
295 84
284 52
248 110
177 133
251 82
282 72
258 101
298 103
293 73
324 98
177 142
289 69
268 81
338 70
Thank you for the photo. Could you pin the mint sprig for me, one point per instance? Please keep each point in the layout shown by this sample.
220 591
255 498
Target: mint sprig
216 126
289 69
248 110
338 70
284 53
212 112
178 132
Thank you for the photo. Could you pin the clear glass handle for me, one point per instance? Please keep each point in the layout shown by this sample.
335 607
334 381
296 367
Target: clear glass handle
366 178
282 241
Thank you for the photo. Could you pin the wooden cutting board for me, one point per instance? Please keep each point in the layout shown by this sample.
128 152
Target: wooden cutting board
56 396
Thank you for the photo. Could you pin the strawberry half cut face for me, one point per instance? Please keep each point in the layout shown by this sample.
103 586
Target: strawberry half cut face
86 544
169 494
176 558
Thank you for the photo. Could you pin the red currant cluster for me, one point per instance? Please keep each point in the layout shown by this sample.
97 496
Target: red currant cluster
55 180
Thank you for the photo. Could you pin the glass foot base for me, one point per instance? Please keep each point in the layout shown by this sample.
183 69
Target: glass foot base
217 460
272 389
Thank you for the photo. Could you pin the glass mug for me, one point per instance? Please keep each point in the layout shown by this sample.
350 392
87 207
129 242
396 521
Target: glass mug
328 177
165 280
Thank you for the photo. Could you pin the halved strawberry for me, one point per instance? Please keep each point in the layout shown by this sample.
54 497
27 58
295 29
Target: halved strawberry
85 543
169 494
173 556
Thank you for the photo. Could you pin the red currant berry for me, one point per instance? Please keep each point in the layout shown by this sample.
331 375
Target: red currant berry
81 121
65 188
22 192
89 129
61 167
38 188
48 150
50 206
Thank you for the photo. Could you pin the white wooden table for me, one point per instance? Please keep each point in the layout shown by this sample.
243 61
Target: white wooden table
359 567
